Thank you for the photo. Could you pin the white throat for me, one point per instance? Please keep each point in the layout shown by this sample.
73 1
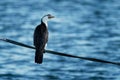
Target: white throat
45 20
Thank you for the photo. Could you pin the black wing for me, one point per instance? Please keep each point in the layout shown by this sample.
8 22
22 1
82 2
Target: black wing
40 37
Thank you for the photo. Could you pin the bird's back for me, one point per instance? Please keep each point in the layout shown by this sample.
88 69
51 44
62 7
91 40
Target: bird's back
40 36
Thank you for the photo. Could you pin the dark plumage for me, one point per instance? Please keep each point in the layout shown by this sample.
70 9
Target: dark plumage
41 38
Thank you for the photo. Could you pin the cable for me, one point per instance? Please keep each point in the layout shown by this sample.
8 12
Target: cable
59 53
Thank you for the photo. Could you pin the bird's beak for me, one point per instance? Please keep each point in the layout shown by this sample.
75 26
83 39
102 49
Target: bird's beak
50 17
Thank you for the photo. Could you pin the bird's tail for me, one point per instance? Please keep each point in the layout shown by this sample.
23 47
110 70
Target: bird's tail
38 56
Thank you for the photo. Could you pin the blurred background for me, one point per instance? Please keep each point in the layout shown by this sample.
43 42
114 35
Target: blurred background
88 28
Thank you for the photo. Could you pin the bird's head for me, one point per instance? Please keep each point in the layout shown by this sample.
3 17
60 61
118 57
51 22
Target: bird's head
46 18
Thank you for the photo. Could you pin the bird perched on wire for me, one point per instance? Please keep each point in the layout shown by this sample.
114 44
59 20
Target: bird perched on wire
41 38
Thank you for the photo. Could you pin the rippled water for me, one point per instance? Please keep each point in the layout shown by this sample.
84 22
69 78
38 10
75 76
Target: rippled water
87 28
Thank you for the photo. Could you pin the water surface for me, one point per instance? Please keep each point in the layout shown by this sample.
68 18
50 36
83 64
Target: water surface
88 28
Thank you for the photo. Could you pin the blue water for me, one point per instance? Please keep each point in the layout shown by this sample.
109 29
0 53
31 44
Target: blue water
88 28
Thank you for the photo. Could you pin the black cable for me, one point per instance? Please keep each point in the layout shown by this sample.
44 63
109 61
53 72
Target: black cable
59 53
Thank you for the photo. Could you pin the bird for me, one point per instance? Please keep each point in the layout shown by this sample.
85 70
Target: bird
40 38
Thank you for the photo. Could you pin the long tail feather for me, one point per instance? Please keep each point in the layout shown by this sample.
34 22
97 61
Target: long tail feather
38 57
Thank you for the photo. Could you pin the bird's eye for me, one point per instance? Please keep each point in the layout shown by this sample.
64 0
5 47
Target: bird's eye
49 17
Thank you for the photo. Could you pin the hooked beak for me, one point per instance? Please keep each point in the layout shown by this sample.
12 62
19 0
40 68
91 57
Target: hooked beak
50 17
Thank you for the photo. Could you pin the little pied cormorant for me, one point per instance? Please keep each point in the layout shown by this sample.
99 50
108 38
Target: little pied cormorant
41 38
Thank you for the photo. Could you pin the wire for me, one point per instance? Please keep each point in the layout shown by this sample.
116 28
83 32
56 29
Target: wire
59 53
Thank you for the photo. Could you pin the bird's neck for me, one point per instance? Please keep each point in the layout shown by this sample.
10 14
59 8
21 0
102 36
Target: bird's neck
45 21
